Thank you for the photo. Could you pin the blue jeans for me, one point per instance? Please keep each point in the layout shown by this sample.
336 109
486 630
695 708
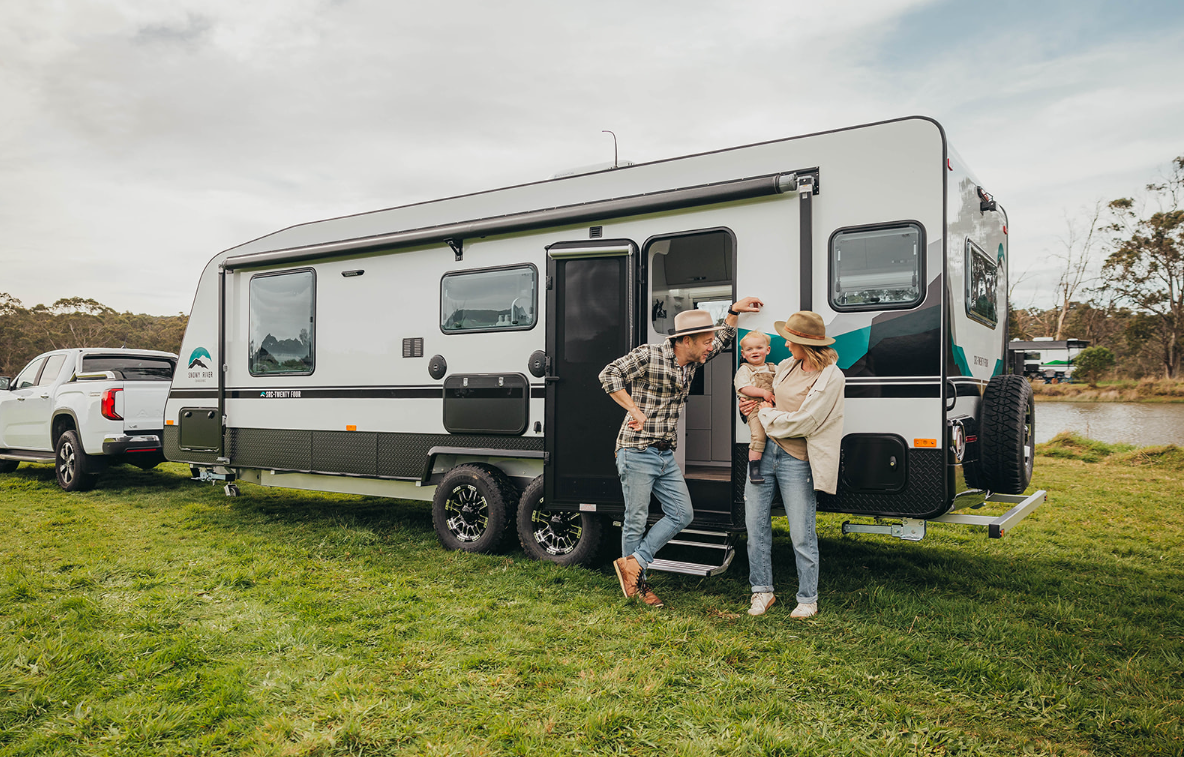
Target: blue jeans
782 470
644 471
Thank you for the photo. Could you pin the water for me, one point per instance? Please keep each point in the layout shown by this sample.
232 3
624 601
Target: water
1142 424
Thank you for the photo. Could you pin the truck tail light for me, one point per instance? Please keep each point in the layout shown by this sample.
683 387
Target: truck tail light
107 405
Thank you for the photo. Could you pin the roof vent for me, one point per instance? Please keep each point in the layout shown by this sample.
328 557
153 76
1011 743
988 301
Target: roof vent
595 232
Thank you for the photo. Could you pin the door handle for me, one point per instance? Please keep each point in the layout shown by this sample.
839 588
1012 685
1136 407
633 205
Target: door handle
20 399
45 396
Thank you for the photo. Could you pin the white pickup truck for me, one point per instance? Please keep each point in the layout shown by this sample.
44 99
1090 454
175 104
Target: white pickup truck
83 409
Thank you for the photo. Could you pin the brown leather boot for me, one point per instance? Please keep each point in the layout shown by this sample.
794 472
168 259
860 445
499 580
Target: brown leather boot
648 596
628 573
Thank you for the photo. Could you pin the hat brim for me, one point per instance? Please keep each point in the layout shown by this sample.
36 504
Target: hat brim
701 330
791 337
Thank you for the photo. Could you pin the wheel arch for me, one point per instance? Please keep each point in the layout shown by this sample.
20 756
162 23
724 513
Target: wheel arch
63 420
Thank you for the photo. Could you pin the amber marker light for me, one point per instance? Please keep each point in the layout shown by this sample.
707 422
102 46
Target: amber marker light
351 428
925 443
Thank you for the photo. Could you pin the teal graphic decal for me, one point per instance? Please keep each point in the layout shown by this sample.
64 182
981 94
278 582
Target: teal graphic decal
197 355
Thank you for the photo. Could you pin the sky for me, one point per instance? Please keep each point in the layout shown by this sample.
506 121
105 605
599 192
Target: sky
139 138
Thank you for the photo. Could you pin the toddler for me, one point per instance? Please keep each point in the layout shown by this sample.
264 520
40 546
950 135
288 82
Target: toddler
754 378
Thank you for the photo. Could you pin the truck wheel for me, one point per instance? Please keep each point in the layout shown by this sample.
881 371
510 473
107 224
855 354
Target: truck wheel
567 538
8 466
1007 435
73 465
472 507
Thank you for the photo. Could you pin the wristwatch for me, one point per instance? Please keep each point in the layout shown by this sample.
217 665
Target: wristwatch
732 312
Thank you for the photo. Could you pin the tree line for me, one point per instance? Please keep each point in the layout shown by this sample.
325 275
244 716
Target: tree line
70 322
1133 303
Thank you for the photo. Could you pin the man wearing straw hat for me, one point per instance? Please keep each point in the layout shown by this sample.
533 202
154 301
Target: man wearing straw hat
652 383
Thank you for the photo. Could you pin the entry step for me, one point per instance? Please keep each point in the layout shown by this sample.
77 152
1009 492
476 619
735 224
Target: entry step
696 552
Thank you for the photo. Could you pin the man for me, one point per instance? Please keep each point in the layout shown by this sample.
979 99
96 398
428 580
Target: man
652 383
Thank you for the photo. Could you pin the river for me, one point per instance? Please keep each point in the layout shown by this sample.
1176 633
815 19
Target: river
1139 423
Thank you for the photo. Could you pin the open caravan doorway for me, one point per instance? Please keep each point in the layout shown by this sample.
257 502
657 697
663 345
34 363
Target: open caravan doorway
696 270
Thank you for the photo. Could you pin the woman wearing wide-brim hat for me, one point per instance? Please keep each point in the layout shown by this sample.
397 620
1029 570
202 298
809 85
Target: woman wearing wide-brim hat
806 426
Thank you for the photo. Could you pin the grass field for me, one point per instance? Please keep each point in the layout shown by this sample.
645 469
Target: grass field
155 616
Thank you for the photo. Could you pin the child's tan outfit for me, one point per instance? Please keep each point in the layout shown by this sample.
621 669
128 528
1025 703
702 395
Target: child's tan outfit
760 376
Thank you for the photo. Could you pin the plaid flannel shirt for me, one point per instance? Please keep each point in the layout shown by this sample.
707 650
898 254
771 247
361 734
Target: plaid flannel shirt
658 387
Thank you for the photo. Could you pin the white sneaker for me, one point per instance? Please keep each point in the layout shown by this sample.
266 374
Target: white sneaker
761 601
802 610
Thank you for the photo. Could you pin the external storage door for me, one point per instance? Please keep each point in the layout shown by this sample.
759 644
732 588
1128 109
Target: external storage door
590 323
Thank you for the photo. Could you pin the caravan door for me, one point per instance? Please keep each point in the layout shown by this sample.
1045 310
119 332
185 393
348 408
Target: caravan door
590 322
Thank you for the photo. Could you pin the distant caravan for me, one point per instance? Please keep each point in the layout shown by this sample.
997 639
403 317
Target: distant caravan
449 350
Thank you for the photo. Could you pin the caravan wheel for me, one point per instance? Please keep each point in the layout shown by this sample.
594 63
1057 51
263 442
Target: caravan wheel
567 538
1007 434
472 507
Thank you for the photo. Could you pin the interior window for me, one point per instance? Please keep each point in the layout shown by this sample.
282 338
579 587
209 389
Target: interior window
28 376
689 272
282 332
53 366
497 299
876 269
982 285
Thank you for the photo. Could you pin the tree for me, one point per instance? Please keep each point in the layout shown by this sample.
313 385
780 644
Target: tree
1146 269
1091 363
1078 243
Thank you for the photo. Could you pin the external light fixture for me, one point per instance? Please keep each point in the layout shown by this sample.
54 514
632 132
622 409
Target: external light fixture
986 201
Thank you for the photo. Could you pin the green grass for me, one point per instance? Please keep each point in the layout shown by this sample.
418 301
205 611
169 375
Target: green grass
155 616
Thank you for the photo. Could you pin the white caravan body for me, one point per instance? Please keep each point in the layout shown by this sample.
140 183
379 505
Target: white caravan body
374 353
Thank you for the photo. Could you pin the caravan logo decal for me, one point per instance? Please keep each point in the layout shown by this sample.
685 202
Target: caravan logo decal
198 354
200 370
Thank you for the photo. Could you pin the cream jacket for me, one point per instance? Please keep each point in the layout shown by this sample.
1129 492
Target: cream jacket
819 420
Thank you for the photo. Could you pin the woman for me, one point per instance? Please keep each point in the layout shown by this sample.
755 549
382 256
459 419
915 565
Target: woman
806 426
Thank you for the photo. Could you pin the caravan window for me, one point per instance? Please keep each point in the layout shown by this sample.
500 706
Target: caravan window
877 268
489 299
283 325
982 285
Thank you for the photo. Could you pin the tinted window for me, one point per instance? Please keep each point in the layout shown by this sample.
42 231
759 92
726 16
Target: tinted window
283 309
874 269
130 368
53 366
29 375
982 285
491 300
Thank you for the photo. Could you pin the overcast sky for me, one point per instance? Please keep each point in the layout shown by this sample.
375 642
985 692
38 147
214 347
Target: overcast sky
140 138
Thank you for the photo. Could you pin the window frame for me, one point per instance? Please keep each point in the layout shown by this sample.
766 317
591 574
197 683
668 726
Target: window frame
41 374
315 319
490 329
884 226
971 249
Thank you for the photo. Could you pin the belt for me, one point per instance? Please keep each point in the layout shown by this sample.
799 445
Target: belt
663 446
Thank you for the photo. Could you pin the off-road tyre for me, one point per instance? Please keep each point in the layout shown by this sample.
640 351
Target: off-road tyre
473 507
76 470
1007 435
563 537
8 466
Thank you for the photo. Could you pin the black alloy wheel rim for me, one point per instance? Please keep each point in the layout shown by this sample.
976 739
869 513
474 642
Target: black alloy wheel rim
1029 437
466 513
558 533
67 463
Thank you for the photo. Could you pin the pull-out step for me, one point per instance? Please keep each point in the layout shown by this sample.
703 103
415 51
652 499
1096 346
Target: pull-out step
911 529
696 552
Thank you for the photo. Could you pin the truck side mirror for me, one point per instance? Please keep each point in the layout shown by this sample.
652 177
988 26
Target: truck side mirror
5 381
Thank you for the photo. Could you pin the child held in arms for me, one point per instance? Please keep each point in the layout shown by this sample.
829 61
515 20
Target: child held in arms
754 378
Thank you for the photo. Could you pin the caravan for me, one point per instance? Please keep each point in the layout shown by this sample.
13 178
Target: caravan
449 350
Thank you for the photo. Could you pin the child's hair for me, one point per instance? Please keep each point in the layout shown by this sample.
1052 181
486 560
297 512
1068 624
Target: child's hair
755 335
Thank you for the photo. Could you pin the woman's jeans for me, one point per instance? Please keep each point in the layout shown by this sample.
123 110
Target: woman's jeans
644 471
782 470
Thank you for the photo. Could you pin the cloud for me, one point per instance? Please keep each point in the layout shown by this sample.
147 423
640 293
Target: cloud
141 138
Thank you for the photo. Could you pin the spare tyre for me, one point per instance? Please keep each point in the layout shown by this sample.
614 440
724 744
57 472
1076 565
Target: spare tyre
1007 435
